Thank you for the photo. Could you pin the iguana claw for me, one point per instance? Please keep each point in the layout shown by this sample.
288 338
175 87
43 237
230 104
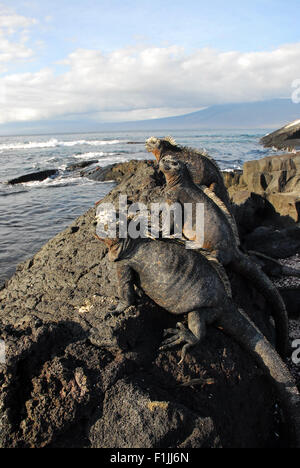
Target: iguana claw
179 335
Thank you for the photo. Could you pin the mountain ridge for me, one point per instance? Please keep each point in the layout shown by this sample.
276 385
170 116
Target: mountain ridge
269 114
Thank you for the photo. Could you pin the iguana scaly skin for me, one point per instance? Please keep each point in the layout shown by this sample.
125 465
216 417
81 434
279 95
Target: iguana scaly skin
184 282
221 241
204 170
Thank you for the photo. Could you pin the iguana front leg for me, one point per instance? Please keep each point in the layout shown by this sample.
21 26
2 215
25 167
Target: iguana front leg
125 287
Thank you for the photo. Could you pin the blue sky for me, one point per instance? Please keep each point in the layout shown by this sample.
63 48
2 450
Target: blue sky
111 24
250 38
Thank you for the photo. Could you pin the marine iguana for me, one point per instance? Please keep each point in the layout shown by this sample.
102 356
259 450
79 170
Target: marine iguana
269 265
184 282
221 240
204 169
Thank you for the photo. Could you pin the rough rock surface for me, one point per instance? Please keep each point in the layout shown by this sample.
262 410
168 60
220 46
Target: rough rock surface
275 243
116 172
278 174
232 178
252 211
76 376
277 178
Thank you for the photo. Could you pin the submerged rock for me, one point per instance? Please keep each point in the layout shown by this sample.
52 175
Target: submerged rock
35 176
81 164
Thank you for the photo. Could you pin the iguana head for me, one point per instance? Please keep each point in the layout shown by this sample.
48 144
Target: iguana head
115 247
173 169
159 146
118 245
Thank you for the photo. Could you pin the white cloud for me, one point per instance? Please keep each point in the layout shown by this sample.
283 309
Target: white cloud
14 35
147 82
11 21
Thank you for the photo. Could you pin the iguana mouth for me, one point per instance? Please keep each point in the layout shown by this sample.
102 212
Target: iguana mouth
166 167
170 164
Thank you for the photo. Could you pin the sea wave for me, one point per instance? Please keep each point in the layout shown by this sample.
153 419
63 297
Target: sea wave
116 160
59 182
233 168
91 155
7 192
54 143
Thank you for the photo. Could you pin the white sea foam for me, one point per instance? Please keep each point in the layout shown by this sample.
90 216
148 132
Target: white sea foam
87 142
91 155
54 143
51 159
117 159
232 168
59 181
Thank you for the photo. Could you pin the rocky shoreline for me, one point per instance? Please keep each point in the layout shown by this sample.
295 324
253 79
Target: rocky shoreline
76 376
275 178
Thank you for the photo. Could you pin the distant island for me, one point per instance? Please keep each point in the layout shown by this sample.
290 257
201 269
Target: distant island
270 114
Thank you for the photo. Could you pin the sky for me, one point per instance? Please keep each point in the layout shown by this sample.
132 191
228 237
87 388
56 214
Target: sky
120 60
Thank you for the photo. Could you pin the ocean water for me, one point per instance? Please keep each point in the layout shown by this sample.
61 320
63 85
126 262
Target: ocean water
32 213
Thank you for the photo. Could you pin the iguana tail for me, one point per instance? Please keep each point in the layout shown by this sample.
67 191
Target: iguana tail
238 325
275 266
243 265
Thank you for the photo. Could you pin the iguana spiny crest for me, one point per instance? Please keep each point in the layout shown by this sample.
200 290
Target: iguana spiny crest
162 145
